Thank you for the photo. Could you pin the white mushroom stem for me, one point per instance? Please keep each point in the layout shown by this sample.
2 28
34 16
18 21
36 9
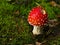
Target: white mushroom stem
37 30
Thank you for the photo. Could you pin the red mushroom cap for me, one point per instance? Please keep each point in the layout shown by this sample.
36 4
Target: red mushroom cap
37 16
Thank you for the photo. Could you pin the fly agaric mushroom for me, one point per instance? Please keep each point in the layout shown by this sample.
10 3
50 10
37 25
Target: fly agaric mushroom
37 18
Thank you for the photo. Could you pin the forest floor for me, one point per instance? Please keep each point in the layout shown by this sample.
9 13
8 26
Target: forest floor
53 37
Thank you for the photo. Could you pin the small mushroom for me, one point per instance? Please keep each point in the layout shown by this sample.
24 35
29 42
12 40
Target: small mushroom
37 18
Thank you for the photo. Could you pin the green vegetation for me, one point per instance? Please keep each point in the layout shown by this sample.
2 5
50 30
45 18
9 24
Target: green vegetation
14 28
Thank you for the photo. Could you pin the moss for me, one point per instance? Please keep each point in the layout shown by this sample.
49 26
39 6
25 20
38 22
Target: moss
14 28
